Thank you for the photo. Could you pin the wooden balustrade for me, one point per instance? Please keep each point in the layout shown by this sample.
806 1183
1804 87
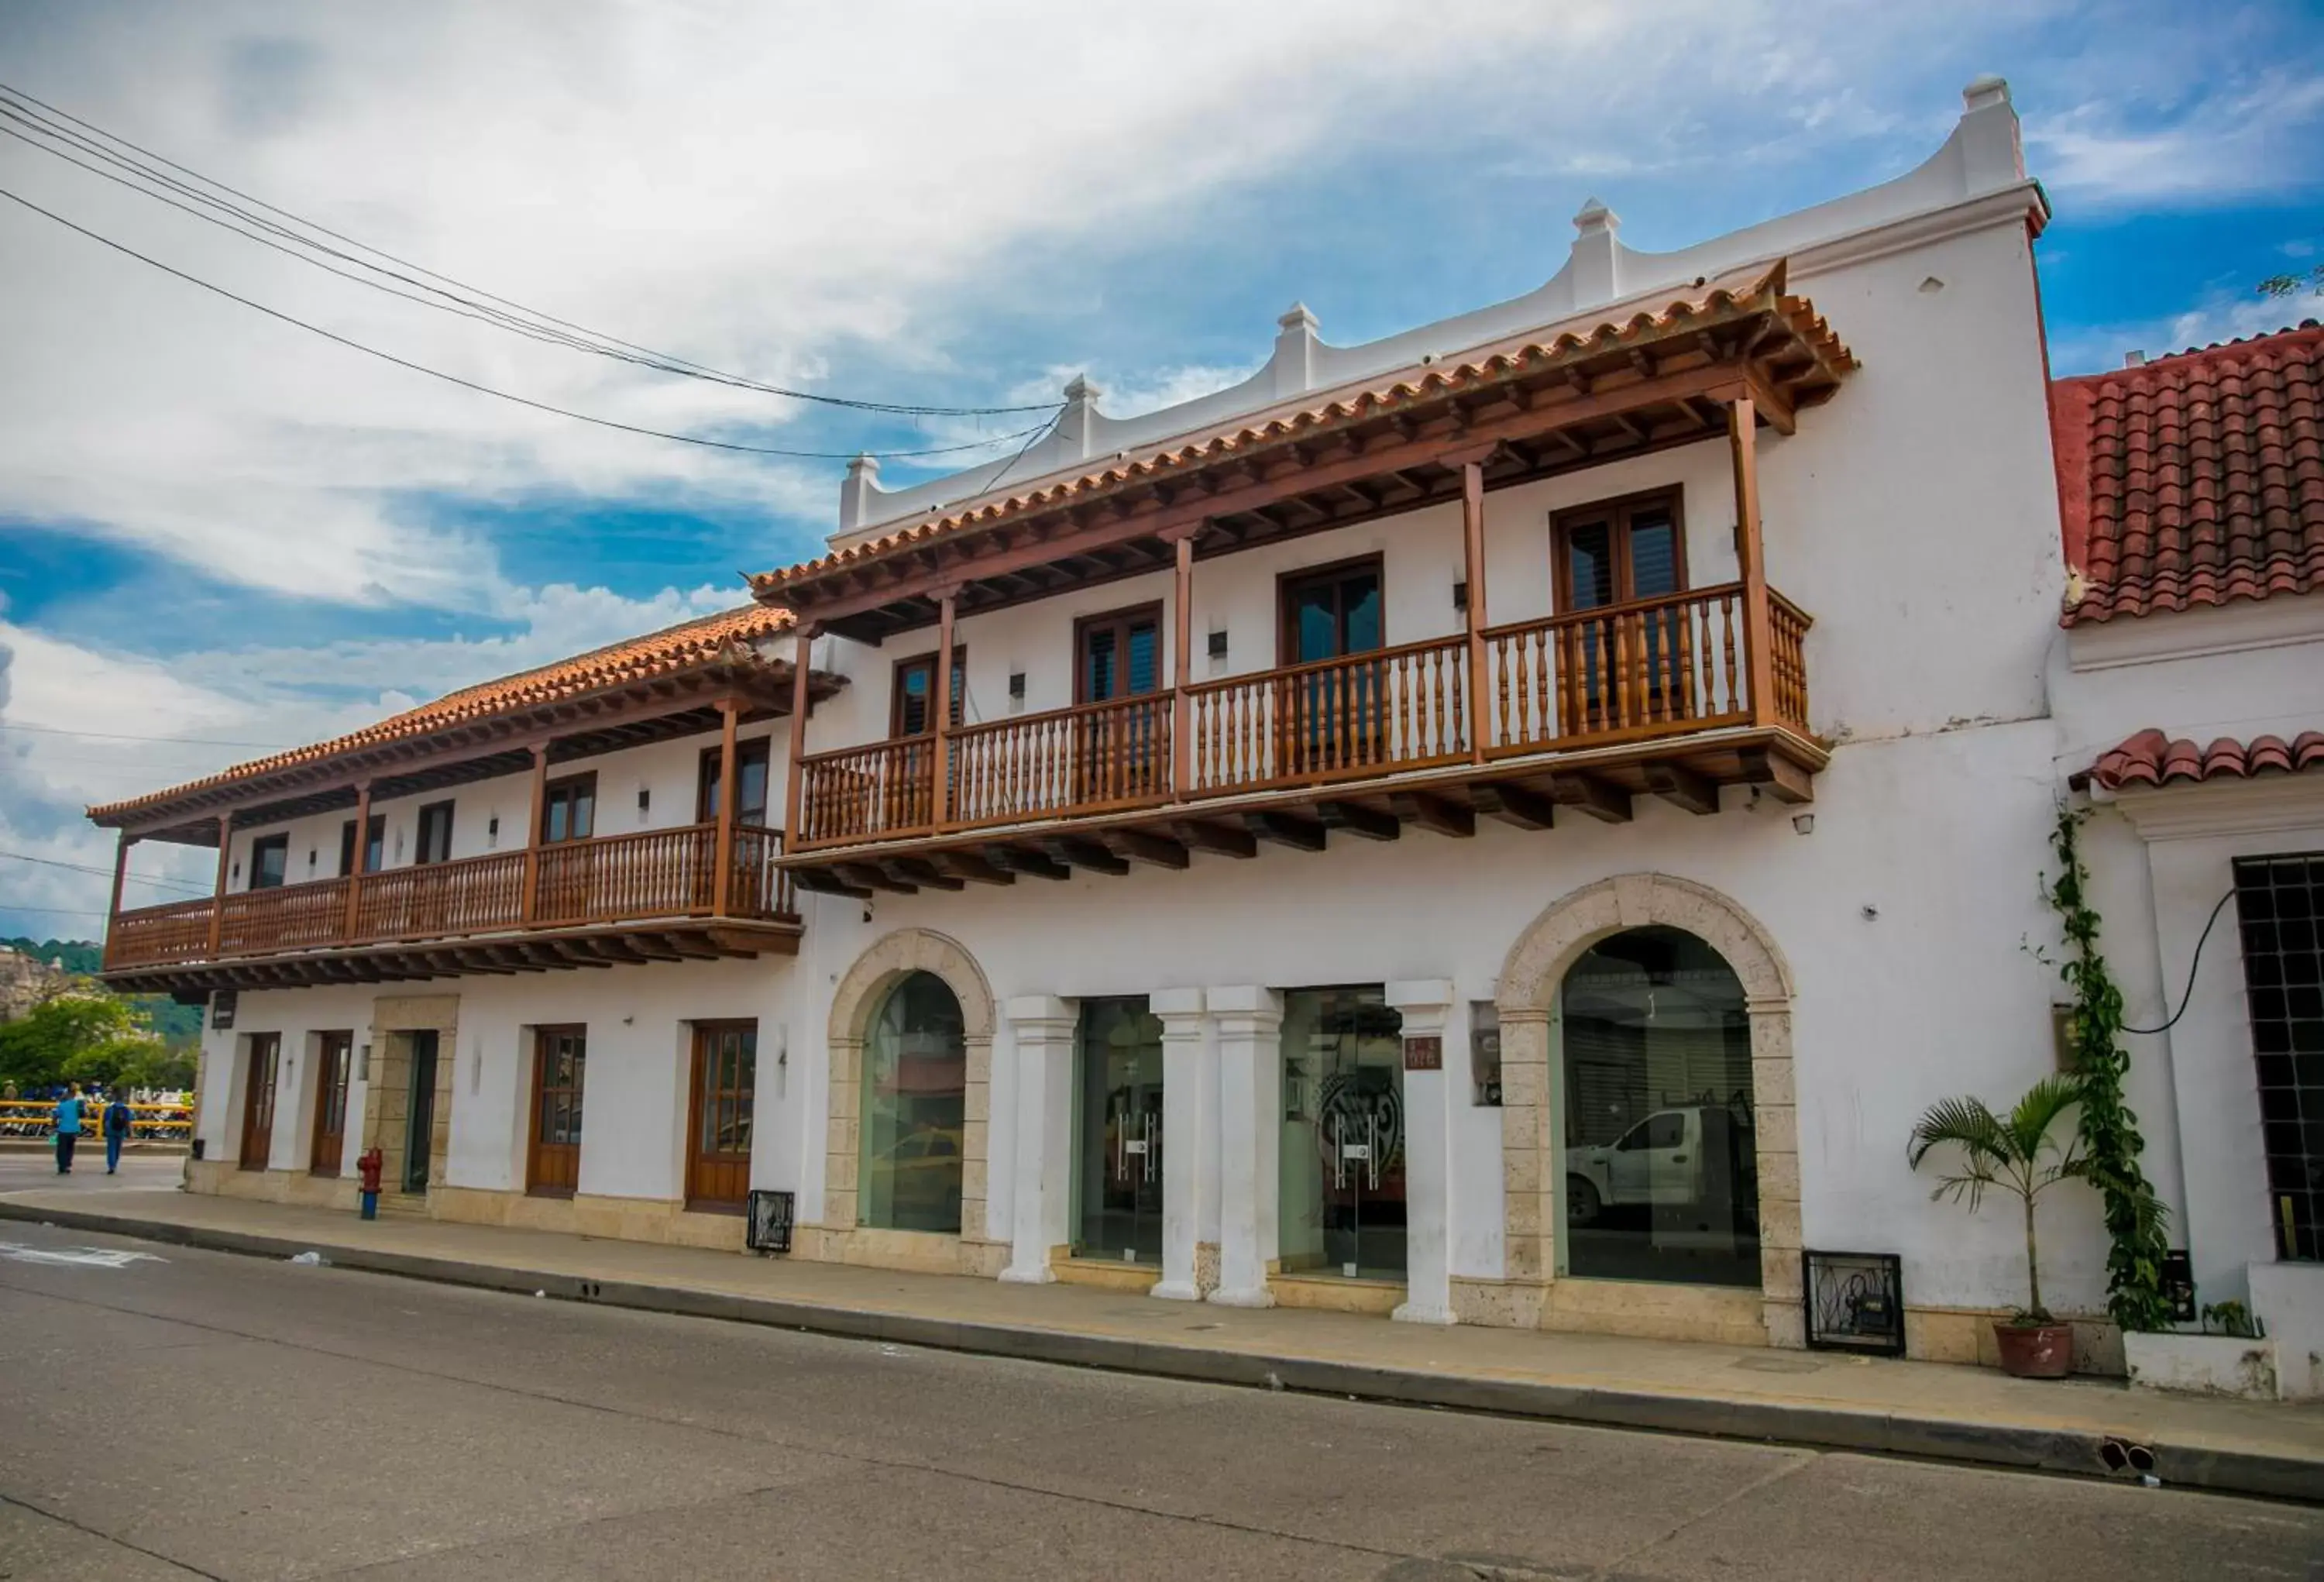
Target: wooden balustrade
1095 758
1789 625
655 874
1657 667
868 794
1368 713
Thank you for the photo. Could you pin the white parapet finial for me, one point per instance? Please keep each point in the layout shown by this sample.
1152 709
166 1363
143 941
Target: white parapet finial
1986 91
1596 217
856 495
1292 367
1595 260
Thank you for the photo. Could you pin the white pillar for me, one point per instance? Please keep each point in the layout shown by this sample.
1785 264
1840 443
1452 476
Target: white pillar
1190 1148
1248 1021
1426 1007
1044 1028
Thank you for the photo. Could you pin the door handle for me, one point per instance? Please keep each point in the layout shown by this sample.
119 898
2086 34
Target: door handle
1678 1159
1150 1160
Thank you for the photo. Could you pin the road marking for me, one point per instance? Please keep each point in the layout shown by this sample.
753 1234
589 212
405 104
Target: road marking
78 1257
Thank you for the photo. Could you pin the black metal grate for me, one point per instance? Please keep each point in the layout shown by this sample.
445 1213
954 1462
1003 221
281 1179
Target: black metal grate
1855 1301
2280 904
769 1215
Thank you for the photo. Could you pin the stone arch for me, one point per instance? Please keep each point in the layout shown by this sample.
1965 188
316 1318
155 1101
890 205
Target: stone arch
885 963
1536 965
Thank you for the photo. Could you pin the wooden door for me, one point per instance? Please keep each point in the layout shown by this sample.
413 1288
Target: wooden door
1116 753
258 1100
559 1055
1613 554
1333 716
718 1125
333 1054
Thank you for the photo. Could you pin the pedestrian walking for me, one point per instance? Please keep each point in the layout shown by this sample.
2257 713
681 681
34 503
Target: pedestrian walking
116 1131
67 1128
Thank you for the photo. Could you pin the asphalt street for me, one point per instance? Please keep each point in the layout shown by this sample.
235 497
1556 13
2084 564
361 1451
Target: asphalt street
167 1413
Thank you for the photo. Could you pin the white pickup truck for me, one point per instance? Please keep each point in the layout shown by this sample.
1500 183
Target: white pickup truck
1659 1162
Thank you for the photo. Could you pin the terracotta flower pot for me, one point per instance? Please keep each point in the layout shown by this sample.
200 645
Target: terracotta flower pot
2035 1351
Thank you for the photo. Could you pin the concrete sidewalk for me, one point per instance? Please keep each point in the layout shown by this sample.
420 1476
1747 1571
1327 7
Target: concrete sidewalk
1817 1399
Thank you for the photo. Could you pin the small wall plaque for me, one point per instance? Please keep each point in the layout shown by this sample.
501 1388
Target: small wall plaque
222 1009
1423 1054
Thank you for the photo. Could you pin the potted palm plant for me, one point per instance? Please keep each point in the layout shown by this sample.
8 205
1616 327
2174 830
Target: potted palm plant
2016 1153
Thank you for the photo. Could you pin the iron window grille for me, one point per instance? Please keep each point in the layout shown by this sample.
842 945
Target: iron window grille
1854 1303
2280 906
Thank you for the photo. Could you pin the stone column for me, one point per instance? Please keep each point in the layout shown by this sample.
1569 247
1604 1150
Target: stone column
1190 1148
1775 1131
1426 1005
1529 1203
1044 1027
843 1141
1249 1027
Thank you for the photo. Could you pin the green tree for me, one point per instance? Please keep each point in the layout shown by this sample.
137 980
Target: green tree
77 1036
2311 284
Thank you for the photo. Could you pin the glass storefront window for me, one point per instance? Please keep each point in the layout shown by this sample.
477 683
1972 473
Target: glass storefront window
915 1101
1119 1168
1659 1164
1342 1158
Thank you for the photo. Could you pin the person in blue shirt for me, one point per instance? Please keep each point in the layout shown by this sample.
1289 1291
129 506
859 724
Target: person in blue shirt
67 1128
116 1131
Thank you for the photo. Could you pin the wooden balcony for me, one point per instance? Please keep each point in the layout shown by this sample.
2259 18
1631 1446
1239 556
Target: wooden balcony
1583 710
653 896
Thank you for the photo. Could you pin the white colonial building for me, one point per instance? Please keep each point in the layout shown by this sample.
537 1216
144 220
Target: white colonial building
1507 824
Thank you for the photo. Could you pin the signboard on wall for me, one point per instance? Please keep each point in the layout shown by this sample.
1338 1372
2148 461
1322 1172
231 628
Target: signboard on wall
1423 1054
221 1010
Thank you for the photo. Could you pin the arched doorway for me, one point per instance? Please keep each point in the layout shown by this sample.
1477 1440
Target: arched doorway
1653 1115
915 1109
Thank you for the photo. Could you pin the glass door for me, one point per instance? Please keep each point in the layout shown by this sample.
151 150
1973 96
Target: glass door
1119 1103
1342 1160
559 1059
420 1117
1331 716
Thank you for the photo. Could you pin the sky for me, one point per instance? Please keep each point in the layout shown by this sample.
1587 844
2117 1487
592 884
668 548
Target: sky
221 534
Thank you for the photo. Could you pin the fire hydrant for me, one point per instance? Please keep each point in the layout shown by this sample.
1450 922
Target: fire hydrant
368 1167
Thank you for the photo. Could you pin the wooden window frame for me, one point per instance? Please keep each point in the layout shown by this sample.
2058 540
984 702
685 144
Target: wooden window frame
568 783
348 857
541 1034
420 834
1287 630
896 732
281 840
1127 615
707 766
1616 510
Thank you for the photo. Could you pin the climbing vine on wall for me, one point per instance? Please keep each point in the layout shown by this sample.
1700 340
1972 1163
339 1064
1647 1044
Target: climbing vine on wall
2136 1219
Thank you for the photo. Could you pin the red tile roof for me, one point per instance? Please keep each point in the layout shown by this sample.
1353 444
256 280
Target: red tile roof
688 646
2152 758
2194 479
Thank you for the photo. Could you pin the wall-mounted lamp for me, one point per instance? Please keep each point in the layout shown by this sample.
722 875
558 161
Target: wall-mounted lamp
1461 596
1803 823
236 871
1017 688
645 798
493 826
310 858
363 1063
1219 646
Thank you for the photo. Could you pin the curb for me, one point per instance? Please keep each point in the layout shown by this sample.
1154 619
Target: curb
2074 1452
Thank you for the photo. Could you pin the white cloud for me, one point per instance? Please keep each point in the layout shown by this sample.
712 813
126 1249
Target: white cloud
2206 144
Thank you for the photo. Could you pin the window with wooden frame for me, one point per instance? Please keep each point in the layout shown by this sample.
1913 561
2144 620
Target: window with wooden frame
433 843
374 846
725 1083
1326 612
1118 655
750 769
908 713
568 809
1117 752
1618 551
1334 715
269 860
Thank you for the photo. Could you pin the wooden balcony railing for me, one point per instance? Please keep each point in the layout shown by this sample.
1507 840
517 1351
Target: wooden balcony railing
1657 667
653 874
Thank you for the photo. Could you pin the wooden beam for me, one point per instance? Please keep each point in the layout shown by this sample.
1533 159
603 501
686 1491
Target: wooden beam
1514 805
531 900
946 603
357 863
920 871
1210 836
1085 854
870 877
721 884
972 866
120 873
1032 864
1780 778
1146 846
217 897
1182 702
1472 549
1600 799
795 788
1441 814
1357 818
1683 787
827 882
1300 833
1758 623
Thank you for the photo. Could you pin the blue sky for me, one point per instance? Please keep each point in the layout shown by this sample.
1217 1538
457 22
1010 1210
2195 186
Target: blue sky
215 529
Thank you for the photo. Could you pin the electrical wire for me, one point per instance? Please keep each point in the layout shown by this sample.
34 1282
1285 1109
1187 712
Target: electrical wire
107 872
2187 998
57 730
490 389
478 304
65 910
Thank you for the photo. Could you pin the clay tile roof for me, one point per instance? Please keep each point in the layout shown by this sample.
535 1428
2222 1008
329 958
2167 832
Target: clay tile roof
2195 479
2152 758
683 647
1761 288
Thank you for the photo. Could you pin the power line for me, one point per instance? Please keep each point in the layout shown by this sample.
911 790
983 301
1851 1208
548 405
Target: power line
57 730
107 872
533 323
65 910
527 401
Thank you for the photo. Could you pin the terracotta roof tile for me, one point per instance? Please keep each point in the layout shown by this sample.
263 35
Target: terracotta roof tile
675 649
2152 758
1763 287
2195 479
